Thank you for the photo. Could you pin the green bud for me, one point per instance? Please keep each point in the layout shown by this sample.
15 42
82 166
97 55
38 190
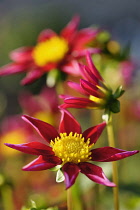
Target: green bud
114 106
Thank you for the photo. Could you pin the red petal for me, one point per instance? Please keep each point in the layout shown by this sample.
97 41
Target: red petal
42 163
68 123
70 30
33 148
89 88
95 173
47 131
76 102
92 67
46 34
107 154
88 75
71 172
72 68
22 55
82 53
94 132
12 68
49 95
32 76
84 36
77 87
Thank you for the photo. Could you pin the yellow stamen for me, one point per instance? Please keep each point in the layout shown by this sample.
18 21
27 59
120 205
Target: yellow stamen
52 50
71 148
97 100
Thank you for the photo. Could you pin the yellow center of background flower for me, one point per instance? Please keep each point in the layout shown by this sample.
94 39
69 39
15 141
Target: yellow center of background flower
13 137
45 116
71 148
52 50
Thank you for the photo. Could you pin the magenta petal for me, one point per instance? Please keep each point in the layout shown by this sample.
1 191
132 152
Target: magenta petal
89 88
82 53
92 67
107 154
46 34
42 163
76 102
33 148
71 172
47 131
50 97
32 76
84 36
72 68
94 132
77 87
12 68
22 55
95 173
71 28
88 75
68 123
29 103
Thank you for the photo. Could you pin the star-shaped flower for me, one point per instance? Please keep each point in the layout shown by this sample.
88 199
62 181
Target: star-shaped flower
71 148
51 51
98 95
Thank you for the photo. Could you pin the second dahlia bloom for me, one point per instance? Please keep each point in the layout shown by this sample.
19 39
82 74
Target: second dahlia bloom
98 94
51 51
43 106
70 149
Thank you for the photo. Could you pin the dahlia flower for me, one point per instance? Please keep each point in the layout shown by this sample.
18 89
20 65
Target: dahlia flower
71 149
98 94
43 106
50 52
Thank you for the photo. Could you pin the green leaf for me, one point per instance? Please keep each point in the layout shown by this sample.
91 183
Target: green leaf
33 204
59 176
119 92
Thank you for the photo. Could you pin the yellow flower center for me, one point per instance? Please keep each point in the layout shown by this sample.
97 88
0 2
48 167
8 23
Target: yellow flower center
71 148
52 50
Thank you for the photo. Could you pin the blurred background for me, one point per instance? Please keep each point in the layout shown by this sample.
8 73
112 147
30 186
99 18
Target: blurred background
20 24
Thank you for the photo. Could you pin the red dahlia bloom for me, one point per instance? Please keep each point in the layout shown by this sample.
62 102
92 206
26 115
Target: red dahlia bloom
51 51
43 106
98 94
71 148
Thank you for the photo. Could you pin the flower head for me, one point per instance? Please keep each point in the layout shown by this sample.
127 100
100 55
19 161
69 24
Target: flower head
70 148
43 106
51 51
13 130
98 94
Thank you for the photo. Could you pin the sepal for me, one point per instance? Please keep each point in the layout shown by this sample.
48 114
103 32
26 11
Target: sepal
119 92
59 176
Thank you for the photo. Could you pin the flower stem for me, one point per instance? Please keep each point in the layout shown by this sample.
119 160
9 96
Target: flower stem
111 142
69 199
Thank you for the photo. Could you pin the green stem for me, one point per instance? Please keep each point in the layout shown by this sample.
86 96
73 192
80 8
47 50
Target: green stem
69 199
111 142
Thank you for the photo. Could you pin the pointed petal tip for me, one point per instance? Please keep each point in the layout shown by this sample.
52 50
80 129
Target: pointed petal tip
7 144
